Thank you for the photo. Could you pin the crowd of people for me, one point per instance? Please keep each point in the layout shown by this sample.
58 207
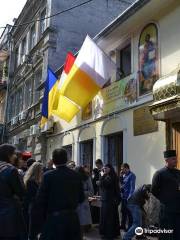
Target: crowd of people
61 201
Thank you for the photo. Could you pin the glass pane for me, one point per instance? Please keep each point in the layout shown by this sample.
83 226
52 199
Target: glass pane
32 37
23 51
43 22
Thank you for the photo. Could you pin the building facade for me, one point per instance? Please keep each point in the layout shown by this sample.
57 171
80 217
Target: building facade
41 43
4 63
118 126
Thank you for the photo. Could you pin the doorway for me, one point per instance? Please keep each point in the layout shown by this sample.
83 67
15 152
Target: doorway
113 150
86 153
68 148
176 141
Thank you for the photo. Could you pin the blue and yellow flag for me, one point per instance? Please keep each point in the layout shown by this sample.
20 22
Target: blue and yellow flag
51 85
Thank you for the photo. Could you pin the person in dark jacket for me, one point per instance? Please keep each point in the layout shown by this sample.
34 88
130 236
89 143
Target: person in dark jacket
32 180
99 166
95 178
95 211
109 219
166 188
57 200
11 191
135 206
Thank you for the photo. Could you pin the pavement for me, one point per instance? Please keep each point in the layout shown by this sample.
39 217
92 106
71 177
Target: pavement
94 235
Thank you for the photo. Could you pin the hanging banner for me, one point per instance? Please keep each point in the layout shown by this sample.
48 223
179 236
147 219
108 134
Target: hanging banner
119 95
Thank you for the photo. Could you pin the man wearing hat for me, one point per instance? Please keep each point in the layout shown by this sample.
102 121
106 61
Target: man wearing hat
166 187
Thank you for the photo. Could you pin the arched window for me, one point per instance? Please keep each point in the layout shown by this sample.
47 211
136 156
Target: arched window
148 58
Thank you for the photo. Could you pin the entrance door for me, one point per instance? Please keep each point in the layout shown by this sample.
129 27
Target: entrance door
114 150
86 153
69 151
176 141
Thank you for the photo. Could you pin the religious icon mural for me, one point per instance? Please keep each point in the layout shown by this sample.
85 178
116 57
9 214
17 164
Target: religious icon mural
148 59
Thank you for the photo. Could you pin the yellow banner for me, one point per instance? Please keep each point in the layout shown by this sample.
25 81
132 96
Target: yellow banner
119 95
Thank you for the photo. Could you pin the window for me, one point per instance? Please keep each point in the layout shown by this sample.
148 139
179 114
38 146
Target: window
32 37
20 100
23 49
24 46
43 21
17 97
87 112
16 57
28 92
148 58
37 81
125 61
11 108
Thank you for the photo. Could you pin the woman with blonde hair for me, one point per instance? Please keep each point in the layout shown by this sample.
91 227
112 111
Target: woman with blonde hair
32 180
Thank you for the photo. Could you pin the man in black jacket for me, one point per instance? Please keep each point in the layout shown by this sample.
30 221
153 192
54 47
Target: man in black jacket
59 195
166 188
11 192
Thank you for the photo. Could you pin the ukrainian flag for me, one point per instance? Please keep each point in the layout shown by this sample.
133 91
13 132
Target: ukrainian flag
51 85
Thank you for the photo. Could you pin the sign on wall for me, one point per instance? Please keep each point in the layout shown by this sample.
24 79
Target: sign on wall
143 121
119 95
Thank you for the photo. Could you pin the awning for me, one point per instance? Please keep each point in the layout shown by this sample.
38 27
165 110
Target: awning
166 93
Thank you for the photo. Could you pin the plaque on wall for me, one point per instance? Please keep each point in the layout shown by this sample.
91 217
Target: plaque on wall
143 121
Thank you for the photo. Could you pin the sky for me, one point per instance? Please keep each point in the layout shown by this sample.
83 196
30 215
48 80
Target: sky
10 9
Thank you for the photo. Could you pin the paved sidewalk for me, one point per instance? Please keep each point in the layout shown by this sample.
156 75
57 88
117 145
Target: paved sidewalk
94 235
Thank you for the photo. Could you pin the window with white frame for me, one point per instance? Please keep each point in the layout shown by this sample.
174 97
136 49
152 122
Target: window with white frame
37 81
42 22
28 94
32 36
125 61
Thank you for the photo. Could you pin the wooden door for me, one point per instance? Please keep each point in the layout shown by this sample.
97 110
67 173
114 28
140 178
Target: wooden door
176 141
